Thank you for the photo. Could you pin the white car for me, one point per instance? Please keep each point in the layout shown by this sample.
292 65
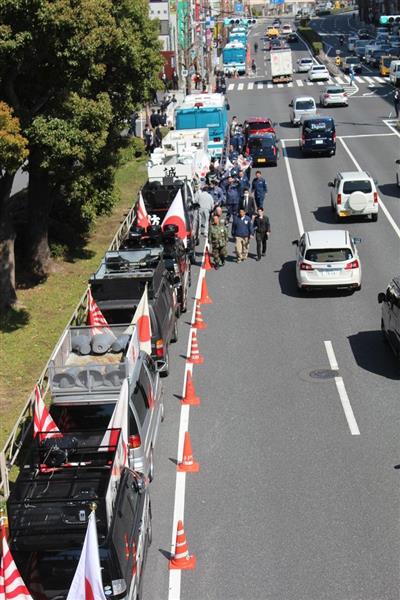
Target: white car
398 172
334 95
354 194
318 73
327 258
304 64
302 106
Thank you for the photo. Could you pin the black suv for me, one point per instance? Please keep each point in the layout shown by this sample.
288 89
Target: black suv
318 135
175 255
158 197
49 508
118 285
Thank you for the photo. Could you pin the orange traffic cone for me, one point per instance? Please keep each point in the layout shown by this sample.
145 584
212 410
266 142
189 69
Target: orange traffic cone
188 464
190 397
198 318
195 356
181 559
204 298
207 261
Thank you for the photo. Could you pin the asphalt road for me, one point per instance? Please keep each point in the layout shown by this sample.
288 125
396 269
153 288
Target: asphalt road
289 503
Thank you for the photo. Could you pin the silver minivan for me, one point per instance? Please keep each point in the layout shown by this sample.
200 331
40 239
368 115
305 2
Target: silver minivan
301 106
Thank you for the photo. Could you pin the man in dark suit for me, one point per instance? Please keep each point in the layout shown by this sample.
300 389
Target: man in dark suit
248 204
262 230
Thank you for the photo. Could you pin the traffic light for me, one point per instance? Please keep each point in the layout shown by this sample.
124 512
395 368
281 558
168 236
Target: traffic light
249 22
389 20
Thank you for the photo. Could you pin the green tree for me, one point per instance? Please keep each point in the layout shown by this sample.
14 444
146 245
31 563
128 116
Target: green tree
13 152
54 53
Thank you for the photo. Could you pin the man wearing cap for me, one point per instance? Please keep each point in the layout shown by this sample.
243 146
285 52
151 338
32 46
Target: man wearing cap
217 238
259 189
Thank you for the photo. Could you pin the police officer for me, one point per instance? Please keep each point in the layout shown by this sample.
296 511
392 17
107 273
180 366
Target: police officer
259 189
232 198
217 238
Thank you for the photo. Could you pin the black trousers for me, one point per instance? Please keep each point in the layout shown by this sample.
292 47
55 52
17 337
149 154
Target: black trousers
261 242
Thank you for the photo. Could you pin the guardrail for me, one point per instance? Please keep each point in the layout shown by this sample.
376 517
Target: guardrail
23 425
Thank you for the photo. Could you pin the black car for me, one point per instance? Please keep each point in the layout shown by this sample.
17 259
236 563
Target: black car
158 197
263 149
318 136
175 255
118 285
291 38
56 490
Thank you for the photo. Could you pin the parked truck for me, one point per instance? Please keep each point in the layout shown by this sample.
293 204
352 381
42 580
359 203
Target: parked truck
281 65
234 58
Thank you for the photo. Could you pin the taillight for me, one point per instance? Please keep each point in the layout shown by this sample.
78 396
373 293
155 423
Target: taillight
306 267
135 441
339 199
274 150
375 197
326 95
217 139
303 139
353 265
345 94
160 348
334 136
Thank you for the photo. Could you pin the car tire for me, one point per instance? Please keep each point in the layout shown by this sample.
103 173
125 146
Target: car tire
150 532
151 466
397 180
192 257
358 288
175 333
374 217
333 152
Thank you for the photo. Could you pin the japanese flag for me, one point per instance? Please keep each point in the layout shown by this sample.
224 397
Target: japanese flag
141 318
11 583
87 583
142 218
118 422
43 424
176 216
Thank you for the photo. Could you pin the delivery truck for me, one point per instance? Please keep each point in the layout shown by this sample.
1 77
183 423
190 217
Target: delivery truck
281 65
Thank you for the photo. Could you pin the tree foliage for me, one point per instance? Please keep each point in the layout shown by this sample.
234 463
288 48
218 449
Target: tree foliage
13 145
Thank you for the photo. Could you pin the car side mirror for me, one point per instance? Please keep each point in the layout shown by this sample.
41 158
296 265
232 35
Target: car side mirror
295 242
331 184
381 297
356 240
160 365
398 161
290 105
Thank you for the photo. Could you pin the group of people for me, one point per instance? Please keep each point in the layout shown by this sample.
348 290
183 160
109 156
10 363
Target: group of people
227 197
152 133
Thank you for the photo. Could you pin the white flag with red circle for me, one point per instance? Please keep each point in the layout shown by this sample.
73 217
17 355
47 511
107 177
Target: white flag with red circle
176 216
141 319
12 586
87 583
118 423
142 218
43 423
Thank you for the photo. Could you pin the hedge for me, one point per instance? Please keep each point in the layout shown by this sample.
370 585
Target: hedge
312 37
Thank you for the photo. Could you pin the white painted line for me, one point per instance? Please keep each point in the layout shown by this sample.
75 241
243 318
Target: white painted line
309 83
359 79
260 86
379 79
366 135
240 86
269 86
368 79
346 78
381 204
389 123
293 190
299 82
230 87
174 586
290 84
250 86
331 356
339 80
320 82
348 411
280 85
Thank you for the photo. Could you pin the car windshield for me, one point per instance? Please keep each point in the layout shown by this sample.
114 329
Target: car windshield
52 572
387 61
357 186
352 60
304 104
318 125
257 125
324 255
337 90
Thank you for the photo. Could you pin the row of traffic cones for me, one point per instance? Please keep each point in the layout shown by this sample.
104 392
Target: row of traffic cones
181 559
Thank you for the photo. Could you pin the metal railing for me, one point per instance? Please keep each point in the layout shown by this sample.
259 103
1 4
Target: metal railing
23 425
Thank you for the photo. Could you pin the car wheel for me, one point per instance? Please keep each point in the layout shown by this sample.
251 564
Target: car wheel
397 180
151 466
150 532
192 257
162 416
333 152
333 209
165 373
374 217
358 288
175 333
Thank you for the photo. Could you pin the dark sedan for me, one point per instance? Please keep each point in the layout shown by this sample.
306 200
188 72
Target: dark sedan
263 149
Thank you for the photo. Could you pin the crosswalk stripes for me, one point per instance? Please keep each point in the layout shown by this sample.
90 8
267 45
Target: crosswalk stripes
344 80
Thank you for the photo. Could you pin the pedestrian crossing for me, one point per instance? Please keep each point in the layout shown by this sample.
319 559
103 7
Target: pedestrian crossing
343 80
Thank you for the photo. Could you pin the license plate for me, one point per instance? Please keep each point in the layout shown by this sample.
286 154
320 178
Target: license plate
344 213
262 160
330 272
319 141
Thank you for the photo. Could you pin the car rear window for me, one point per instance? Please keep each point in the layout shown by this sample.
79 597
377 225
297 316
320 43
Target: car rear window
306 61
318 125
319 68
83 417
305 104
256 125
261 143
357 186
335 91
328 255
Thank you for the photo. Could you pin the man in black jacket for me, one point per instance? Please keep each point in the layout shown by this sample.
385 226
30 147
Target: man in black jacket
262 230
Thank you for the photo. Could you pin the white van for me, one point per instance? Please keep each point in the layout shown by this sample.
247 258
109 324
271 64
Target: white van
394 73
